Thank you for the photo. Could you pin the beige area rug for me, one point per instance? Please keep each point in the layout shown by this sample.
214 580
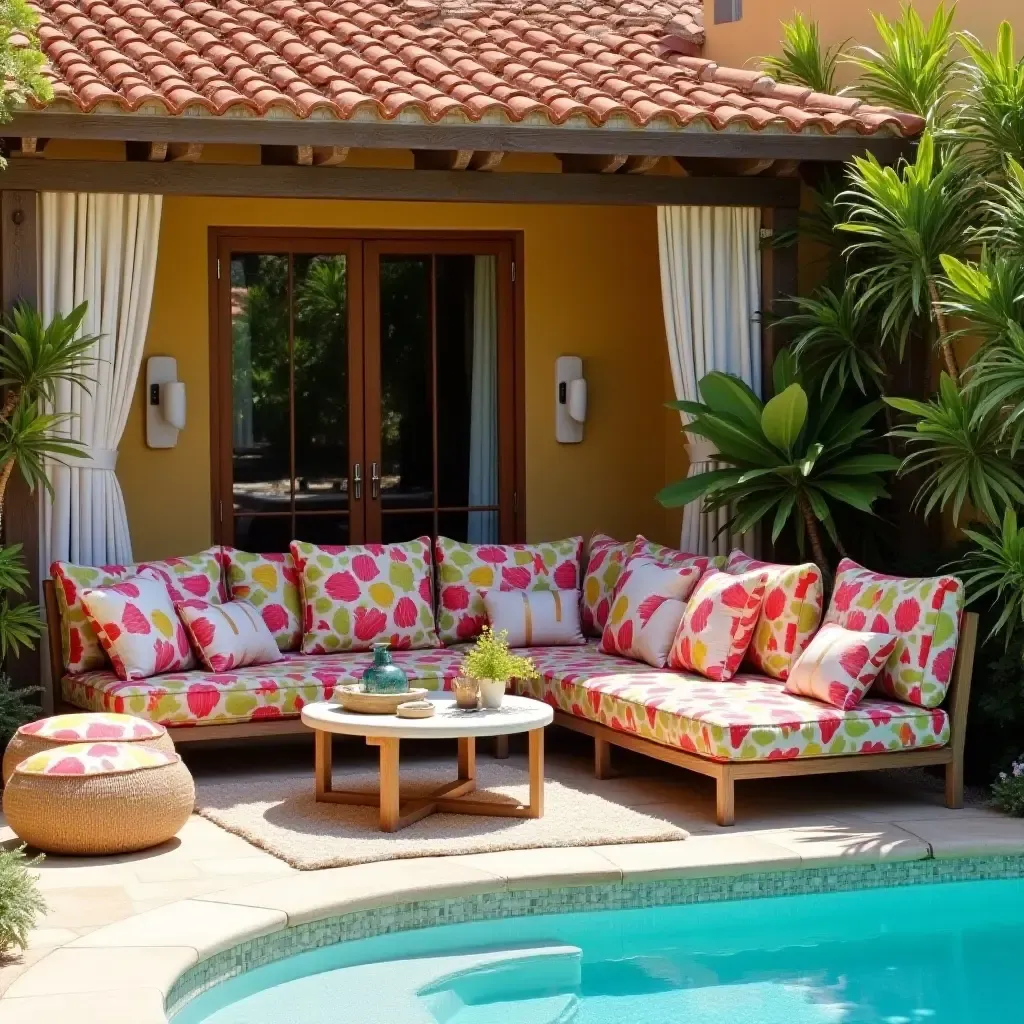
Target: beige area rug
278 814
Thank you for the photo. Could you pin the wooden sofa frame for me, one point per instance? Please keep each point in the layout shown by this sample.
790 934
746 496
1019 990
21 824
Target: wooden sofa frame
727 773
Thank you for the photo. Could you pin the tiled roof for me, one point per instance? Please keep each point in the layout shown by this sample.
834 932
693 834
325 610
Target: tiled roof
623 63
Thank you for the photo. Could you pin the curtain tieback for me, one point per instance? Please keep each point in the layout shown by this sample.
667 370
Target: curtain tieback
104 459
699 449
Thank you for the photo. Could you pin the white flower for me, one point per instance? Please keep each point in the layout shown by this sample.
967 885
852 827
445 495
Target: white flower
1002 776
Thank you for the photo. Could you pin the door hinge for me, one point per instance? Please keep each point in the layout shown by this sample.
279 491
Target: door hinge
218 268
513 270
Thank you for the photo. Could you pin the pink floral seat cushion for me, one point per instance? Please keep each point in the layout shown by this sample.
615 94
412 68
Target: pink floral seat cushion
81 728
95 759
750 718
247 694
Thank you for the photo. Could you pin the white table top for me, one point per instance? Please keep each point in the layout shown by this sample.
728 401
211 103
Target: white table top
516 714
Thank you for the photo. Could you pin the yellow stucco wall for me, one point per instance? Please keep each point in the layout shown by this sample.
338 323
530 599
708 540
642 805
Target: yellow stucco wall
591 288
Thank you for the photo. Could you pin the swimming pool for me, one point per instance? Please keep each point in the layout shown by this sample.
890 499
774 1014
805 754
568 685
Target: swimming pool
924 954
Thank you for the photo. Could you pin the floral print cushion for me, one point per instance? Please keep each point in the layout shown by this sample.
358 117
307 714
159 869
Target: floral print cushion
356 595
789 615
228 635
649 601
271 583
840 665
923 613
77 728
138 627
196 575
251 693
81 759
605 559
750 718
464 570
718 622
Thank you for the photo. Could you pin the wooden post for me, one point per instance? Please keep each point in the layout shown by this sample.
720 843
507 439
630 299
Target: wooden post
19 282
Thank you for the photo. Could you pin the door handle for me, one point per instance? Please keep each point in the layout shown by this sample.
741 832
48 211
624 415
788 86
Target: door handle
357 481
374 481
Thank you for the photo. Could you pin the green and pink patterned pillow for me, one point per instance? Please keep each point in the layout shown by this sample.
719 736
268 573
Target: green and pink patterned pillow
228 636
718 622
605 560
923 613
135 621
356 595
839 665
790 614
271 583
95 759
196 575
466 570
649 601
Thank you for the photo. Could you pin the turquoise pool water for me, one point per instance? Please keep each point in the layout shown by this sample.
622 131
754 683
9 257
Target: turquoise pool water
925 954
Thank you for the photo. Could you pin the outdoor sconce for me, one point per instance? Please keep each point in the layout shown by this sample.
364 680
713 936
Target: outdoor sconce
570 399
165 402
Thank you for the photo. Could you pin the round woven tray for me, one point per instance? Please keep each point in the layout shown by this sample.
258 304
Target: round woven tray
355 698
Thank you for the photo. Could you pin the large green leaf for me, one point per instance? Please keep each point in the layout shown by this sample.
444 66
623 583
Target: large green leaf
784 417
727 395
690 488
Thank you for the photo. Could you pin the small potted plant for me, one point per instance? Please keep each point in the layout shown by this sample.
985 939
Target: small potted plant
492 665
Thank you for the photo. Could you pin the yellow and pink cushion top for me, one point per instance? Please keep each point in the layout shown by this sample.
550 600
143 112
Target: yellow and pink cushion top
81 759
196 575
717 624
464 570
271 584
356 595
649 602
228 635
839 665
790 614
79 727
138 627
923 613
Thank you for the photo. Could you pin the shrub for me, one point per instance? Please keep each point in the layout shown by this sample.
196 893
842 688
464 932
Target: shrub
1008 790
20 900
16 708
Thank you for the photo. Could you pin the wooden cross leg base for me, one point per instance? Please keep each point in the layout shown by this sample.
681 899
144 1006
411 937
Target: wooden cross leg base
395 815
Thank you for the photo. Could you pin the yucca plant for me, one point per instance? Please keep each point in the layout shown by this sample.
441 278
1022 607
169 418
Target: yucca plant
1004 213
790 458
905 219
803 60
995 569
914 68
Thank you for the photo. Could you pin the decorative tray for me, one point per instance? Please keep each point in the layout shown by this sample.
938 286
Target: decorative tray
355 698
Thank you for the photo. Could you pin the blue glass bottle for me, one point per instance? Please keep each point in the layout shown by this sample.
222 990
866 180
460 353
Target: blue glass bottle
384 676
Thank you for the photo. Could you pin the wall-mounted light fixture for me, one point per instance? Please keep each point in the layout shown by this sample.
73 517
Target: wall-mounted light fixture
570 399
165 402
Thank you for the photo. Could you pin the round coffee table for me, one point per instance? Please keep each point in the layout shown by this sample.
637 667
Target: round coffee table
516 714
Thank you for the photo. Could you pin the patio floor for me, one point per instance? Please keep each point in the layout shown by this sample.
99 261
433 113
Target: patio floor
163 909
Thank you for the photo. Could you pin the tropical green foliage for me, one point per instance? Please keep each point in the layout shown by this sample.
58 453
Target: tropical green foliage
490 658
792 458
20 900
995 569
1008 790
21 65
17 706
803 61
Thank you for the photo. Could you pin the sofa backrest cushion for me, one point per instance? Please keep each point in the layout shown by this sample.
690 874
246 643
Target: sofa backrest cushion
271 583
196 575
135 621
790 614
464 571
229 635
924 614
648 604
356 595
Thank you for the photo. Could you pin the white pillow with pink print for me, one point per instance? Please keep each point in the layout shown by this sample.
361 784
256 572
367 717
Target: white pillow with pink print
718 623
137 626
228 636
839 665
649 601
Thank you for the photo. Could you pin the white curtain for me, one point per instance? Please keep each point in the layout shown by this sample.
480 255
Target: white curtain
483 401
101 249
711 293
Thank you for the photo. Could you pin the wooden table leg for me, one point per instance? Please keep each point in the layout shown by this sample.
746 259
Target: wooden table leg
536 739
467 757
322 762
389 785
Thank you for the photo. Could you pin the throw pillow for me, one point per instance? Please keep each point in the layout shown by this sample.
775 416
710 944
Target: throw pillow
137 625
356 595
271 583
649 601
229 635
839 665
544 618
464 570
605 559
718 622
924 615
789 616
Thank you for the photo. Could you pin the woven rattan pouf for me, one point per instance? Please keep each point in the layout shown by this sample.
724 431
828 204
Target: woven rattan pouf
98 798
82 727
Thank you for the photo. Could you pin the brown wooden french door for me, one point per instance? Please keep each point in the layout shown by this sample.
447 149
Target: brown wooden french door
364 388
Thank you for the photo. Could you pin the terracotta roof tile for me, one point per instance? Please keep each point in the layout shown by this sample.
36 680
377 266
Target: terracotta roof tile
583 62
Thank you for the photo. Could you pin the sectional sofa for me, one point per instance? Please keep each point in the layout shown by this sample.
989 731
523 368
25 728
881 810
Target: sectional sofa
744 728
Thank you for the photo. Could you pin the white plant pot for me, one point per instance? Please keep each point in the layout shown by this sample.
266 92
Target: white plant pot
491 692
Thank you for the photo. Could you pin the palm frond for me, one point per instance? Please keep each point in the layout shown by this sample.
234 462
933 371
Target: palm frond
803 60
